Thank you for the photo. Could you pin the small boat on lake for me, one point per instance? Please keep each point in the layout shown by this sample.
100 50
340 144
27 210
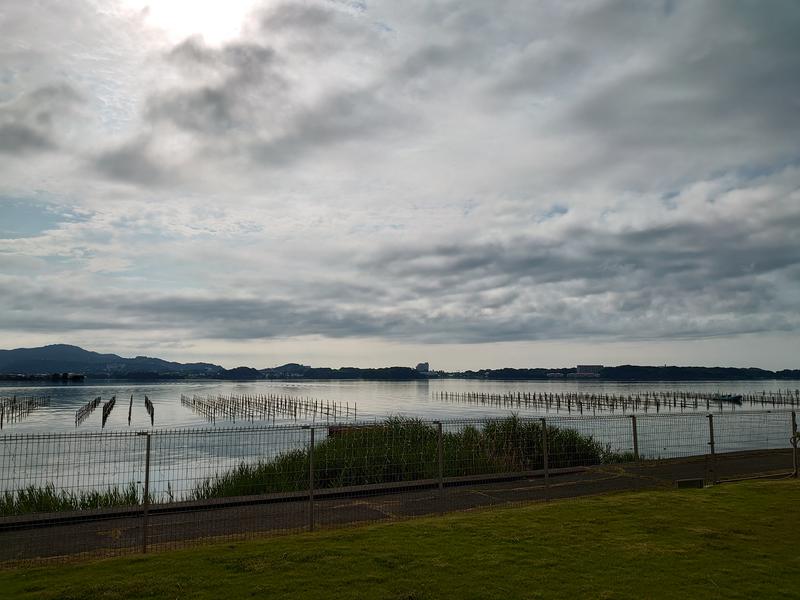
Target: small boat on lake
732 398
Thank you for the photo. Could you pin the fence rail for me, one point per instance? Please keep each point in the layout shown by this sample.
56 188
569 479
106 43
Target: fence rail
65 493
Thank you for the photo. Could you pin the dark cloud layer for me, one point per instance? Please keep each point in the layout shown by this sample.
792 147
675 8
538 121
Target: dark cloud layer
19 138
132 163
30 123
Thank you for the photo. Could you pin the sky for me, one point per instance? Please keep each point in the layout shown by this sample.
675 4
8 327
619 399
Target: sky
474 184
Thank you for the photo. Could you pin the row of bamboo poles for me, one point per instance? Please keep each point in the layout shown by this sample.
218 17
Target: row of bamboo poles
580 402
84 411
87 409
107 408
267 407
148 405
16 408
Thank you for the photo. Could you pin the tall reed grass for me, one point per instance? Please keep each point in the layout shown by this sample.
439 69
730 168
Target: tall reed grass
44 499
401 449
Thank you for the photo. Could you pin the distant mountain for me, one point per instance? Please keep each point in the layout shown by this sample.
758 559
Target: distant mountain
62 358
59 358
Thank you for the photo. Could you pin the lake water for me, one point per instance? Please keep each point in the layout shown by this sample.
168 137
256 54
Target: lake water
373 400
182 459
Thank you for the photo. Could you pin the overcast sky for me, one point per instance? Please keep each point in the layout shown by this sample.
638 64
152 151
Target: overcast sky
473 183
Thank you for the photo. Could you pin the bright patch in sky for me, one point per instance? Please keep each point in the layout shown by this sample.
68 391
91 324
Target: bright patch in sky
215 20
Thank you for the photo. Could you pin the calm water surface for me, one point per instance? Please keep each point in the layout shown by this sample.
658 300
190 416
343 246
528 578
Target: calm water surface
374 400
181 460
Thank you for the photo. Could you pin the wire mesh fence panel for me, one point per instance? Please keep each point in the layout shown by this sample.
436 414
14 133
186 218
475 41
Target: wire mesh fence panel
226 483
367 462
193 465
474 448
752 431
390 452
58 482
126 492
672 436
516 445
56 472
574 441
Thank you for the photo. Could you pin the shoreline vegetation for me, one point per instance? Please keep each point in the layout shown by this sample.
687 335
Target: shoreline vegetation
398 449
624 373
71 364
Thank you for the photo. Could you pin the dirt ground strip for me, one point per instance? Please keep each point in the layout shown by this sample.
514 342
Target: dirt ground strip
125 534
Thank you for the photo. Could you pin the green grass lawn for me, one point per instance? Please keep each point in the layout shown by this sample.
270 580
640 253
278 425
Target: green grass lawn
732 541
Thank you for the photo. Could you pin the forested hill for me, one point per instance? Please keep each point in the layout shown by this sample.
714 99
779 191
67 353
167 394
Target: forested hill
61 358
635 373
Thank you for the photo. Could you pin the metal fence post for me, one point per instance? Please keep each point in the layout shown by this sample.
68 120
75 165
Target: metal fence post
146 498
440 457
635 438
711 446
311 481
794 444
545 459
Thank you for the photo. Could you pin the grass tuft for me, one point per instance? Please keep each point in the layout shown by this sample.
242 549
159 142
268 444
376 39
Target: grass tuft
38 499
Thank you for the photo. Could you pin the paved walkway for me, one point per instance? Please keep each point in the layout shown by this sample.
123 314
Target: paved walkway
124 533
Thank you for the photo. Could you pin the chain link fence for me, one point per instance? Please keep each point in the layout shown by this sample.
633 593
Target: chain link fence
113 492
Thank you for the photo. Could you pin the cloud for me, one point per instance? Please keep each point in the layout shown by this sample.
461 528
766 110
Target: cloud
451 173
702 89
241 77
333 121
31 122
682 276
19 138
253 100
132 163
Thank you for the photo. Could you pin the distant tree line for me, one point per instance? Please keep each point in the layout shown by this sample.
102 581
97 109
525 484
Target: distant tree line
62 362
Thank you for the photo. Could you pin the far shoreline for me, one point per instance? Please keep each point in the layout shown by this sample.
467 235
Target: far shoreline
92 381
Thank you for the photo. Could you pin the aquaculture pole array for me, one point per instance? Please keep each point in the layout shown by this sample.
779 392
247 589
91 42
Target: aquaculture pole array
107 408
16 408
84 411
87 409
150 411
266 407
580 402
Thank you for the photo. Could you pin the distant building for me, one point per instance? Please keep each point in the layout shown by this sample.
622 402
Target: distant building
555 375
588 370
423 368
67 377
